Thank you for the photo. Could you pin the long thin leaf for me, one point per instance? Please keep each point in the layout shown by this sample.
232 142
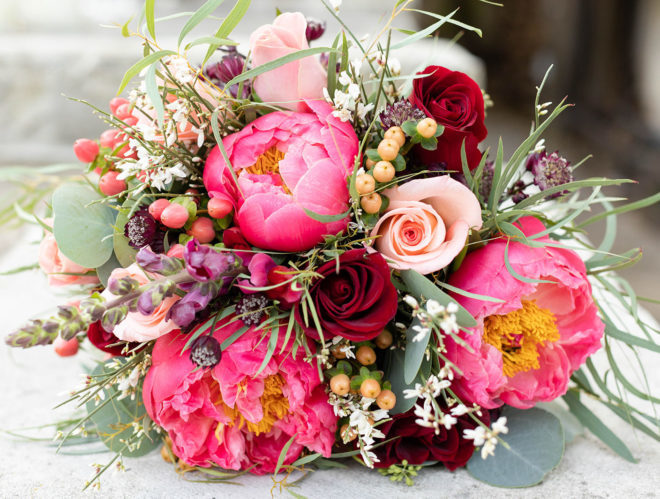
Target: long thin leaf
231 21
202 13
149 16
140 65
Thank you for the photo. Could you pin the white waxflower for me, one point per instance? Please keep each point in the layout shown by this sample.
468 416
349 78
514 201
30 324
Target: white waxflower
499 426
412 303
344 79
335 4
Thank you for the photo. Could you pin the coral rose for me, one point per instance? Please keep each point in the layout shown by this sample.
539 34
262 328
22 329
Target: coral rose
293 83
286 162
232 415
525 348
136 326
455 101
60 270
426 223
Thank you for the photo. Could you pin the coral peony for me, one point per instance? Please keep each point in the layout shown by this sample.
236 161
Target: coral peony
232 415
527 347
426 223
60 270
286 162
293 83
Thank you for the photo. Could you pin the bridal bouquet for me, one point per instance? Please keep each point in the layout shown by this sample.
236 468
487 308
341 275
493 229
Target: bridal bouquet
290 255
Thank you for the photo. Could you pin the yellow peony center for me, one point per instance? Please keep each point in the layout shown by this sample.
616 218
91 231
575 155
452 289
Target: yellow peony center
518 335
274 404
268 162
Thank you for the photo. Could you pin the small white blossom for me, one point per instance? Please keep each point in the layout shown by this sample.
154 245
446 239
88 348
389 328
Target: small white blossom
335 4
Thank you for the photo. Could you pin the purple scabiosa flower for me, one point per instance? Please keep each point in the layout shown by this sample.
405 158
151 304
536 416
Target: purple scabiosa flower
205 264
315 29
205 351
251 308
550 170
231 65
399 112
141 228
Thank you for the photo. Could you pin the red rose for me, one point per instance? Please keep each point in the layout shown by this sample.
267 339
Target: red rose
107 342
455 101
357 302
418 444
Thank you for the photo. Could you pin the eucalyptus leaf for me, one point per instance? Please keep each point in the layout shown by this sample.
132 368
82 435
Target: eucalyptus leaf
124 252
536 446
82 230
415 351
395 373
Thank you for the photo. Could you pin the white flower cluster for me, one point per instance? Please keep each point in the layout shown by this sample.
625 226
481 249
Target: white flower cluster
487 437
433 314
360 423
347 103
127 384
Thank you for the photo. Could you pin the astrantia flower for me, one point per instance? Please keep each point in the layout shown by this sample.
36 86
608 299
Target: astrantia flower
399 112
525 348
550 170
231 416
314 30
285 163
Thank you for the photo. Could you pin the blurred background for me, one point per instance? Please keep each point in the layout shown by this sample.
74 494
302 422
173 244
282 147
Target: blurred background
604 52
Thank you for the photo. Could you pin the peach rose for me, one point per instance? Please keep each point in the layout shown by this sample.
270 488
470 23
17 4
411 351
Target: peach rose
58 267
289 84
136 326
426 223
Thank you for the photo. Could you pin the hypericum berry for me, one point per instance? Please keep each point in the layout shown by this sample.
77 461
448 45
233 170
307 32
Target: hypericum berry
369 163
427 127
340 384
174 216
388 150
347 433
384 171
396 134
109 138
205 351
130 120
156 208
370 388
115 103
85 150
194 195
365 183
371 203
365 355
384 339
123 111
202 229
110 185
65 348
386 400
338 351
219 208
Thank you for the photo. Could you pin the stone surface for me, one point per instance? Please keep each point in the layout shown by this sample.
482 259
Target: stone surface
35 380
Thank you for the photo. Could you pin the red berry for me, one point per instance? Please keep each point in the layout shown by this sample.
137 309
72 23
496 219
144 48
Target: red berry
202 229
110 185
176 251
194 193
109 138
65 348
130 120
123 111
85 150
156 208
174 216
115 103
219 208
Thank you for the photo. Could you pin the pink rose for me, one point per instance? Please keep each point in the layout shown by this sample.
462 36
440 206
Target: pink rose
286 162
231 416
426 223
524 349
136 326
293 83
59 268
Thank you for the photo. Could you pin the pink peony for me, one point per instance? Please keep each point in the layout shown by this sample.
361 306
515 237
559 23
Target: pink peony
286 162
60 270
526 348
293 83
426 223
136 326
231 416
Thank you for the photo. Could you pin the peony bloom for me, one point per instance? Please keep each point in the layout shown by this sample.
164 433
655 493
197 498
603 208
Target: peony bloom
286 162
136 326
293 83
59 269
526 348
426 223
230 415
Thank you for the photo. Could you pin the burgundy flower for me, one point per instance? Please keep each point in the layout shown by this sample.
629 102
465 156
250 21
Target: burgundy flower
455 101
355 302
417 444
107 342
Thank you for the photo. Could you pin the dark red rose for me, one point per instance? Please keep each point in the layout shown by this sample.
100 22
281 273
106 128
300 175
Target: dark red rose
102 340
455 101
357 302
418 444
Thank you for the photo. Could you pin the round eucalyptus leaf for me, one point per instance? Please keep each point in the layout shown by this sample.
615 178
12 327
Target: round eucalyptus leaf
124 252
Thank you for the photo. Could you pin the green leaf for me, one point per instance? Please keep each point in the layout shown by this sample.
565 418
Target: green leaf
462 292
571 424
124 29
228 25
113 420
326 218
421 287
451 21
272 343
394 373
152 92
149 15
104 271
82 230
596 426
285 449
211 40
202 13
140 65
536 441
415 352
636 205
124 252
280 61
332 63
